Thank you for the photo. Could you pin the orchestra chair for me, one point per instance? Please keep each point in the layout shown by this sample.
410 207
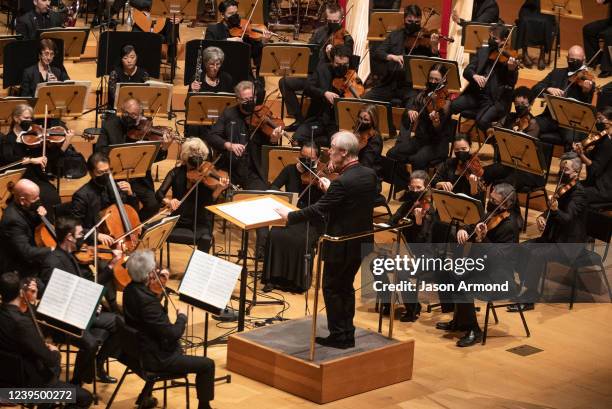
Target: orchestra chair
467 126
491 307
599 224
131 358
392 174
183 235
535 192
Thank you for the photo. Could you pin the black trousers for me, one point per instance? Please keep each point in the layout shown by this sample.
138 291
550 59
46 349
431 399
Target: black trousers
552 133
595 195
418 152
464 316
83 397
288 87
390 92
144 191
203 367
339 296
487 110
591 34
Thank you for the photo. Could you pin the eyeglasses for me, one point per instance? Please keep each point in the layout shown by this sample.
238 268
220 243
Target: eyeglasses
48 53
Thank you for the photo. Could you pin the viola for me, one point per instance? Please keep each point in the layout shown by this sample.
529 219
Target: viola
350 86
473 166
34 137
495 220
438 100
208 174
85 255
579 77
422 38
503 56
264 120
253 31
145 130
308 178
521 123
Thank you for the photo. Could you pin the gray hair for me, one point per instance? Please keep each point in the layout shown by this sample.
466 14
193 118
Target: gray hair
347 141
574 159
419 174
242 85
507 192
212 54
140 264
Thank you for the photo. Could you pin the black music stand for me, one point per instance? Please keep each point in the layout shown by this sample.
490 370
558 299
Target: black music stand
561 8
238 65
19 55
4 40
456 209
347 109
572 114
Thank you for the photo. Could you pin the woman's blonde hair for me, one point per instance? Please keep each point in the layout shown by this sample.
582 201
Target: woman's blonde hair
19 110
193 147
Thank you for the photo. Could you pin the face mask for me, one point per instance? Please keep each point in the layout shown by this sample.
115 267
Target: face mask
574 65
100 180
411 27
26 124
463 156
492 44
128 121
431 86
33 207
566 177
491 207
332 27
340 71
248 106
600 126
413 195
233 21
309 163
364 126
521 109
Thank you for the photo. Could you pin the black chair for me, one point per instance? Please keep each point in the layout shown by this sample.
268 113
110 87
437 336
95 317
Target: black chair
530 191
381 201
393 175
131 357
181 235
491 307
599 225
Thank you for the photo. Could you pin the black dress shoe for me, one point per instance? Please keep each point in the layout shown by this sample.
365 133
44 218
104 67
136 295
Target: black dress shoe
604 74
267 288
293 127
333 342
541 64
412 313
103 377
528 306
470 338
148 401
446 326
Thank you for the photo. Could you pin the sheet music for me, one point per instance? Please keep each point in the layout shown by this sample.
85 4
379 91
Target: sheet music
83 303
255 211
209 279
58 292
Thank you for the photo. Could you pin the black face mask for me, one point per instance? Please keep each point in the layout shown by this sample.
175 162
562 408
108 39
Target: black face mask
340 71
574 65
309 163
521 110
233 20
100 180
33 207
431 86
491 207
411 28
412 196
600 126
565 178
463 156
248 106
128 121
332 27
364 126
26 124
493 44
79 243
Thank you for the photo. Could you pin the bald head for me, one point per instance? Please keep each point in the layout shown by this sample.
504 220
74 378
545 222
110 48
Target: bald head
132 107
26 192
575 57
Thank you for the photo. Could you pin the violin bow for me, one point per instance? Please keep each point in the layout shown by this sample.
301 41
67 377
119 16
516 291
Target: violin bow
501 50
249 20
490 215
430 96
490 134
420 33
276 91
421 195
164 290
24 294
150 125
44 142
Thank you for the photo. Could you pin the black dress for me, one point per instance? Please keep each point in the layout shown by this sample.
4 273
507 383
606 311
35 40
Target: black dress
286 246
118 75
226 83
533 27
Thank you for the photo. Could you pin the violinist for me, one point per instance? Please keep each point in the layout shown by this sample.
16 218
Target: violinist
159 338
483 11
126 71
428 116
326 36
462 172
115 131
563 228
40 17
320 121
521 120
561 82
593 33
534 29
42 71
19 336
287 247
180 179
370 141
597 157
393 85
102 333
491 81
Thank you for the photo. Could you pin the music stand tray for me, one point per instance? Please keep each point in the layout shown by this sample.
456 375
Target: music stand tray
7 181
4 40
384 22
66 98
562 8
285 60
418 71
572 114
475 35
456 208
205 108
174 8
275 158
153 95
132 160
74 38
347 109
520 151
155 236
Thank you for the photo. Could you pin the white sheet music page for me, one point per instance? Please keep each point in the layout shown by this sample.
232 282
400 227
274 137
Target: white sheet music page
209 279
255 211
83 303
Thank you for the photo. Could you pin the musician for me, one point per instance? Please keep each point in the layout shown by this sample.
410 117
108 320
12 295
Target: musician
212 79
534 29
180 179
604 98
521 119
115 131
324 37
19 336
284 266
370 140
483 11
42 71
451 172
557 83
562 227
39 18
348 203
505 229
19 221
320 121
432 131
102 333
157 336
125 71
598 161
595 31
393 85
489 92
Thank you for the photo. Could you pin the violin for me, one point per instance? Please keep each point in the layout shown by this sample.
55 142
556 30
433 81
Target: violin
145 130
350 86
438 100
85 255
589 142
254 31
472 166
521 123
503 56
34 136
209 175
495 220
424 202
308 178
422 38
264 120
579 77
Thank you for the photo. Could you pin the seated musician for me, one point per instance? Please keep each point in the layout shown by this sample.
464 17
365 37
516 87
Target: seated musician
432 130
15 146
17 230
42 71
126 71
489 92
506 230
288 246
323 37
534 29
320 121
563 226
115 131
19 336
39 18
212 79
592 34
170 32
181 179
598 160
393 84
483 11
69 234
559 83
460 173
158 337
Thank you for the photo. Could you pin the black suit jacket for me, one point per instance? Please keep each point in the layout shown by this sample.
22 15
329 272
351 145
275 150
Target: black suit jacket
558 78
347 206
17 235
484 11
32 21
19 336
31 78
321 35
318 83
115 133
568 223
218 31
59 259
158 337
500 83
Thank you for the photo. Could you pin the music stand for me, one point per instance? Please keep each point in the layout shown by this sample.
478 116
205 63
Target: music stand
155 236
520 151
7 181
7 106
475 35
561 8
205 108
418 67
132 160
457 209
66 98
384 22
4 40
283 60
275 158
154 96
74 38
572 114
347 109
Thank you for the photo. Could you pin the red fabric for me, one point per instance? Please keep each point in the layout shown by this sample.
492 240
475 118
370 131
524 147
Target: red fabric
342 4
446 11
